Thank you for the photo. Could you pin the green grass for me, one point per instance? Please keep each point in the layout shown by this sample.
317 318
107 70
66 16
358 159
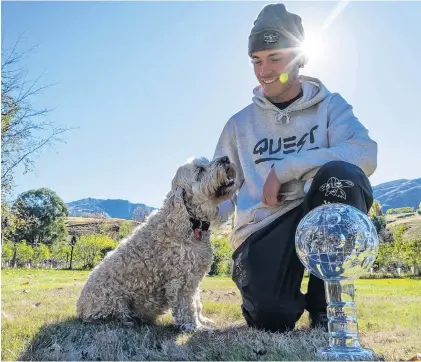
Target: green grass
38 323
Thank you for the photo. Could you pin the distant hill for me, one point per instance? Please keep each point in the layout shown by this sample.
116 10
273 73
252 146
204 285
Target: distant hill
120 209
391 195
398 193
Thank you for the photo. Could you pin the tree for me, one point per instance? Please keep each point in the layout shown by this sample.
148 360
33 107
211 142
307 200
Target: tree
399 250
400 210
221 256
398 231
25 132
40 253
24 253
386 236
379 223
72 244
43 214
9 223
126 228
7 250
385 254
377 217
90 249
60 252
376 209
412 254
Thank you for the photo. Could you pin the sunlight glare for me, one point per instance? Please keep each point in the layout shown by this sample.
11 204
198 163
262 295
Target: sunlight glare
314 48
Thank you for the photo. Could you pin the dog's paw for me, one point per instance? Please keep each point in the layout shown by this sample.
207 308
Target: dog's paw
206 329
205 320
189 327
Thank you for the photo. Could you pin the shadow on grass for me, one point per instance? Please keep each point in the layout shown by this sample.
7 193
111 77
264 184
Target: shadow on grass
72 340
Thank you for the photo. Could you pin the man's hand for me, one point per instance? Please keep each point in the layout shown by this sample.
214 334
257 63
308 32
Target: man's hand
271 189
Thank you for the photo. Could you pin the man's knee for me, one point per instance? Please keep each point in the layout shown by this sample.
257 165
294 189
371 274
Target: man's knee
340 181
274 316
342 170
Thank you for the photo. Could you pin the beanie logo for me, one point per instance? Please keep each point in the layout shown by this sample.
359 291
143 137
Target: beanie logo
271 37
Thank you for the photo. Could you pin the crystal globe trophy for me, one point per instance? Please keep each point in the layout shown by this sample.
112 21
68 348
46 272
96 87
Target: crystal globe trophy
337 243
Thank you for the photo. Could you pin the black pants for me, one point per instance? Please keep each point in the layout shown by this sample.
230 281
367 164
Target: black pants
267 270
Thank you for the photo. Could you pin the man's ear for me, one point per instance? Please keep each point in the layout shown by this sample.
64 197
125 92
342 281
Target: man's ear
303 60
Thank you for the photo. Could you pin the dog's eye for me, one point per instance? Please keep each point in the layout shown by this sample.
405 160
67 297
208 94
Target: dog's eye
200 172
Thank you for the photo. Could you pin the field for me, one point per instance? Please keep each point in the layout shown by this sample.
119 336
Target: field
85 225
38 323
413 223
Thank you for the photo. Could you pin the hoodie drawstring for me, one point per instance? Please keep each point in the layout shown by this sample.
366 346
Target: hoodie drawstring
283 117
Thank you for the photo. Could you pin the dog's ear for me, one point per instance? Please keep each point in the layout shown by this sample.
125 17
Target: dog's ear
177 215
179 197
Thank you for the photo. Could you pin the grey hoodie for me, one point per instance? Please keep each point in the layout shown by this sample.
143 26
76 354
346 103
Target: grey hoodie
317 128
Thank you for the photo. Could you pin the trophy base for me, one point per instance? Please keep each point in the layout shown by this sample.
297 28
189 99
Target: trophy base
345 354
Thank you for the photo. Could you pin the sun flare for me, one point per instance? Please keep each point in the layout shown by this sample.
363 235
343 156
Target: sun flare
316 44
314 49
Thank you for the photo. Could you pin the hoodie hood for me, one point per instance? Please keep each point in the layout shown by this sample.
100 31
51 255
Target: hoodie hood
313 92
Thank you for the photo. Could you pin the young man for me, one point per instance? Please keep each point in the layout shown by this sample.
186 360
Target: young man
297 146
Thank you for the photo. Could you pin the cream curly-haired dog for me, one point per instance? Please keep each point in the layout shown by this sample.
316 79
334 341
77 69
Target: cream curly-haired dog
159 267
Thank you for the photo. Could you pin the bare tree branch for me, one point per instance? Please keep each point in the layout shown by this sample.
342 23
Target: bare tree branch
31 151
24 129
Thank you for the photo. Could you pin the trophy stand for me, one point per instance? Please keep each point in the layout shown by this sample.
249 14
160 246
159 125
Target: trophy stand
343 326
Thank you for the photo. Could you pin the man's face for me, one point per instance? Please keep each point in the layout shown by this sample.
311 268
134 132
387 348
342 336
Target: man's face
274 70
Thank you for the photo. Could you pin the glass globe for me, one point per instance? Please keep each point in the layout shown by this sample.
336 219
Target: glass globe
336 241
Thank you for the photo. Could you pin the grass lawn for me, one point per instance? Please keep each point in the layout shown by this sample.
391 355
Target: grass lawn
38 323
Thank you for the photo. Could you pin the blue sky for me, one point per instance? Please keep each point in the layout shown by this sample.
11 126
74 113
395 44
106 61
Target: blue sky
149 84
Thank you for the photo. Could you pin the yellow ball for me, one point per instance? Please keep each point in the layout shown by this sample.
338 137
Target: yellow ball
283 78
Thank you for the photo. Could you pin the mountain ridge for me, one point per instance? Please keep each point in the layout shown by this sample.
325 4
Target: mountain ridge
106 208
390 194
398 193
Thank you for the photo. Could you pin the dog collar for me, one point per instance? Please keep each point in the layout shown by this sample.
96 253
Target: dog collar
198 226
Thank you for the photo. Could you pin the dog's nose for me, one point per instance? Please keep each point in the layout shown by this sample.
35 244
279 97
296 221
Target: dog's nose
225 159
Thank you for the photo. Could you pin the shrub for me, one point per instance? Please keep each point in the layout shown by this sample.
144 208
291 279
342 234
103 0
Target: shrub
222 260
91 249
41 253
400 210
379 222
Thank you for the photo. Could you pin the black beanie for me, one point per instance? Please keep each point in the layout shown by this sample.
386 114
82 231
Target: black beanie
275 28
